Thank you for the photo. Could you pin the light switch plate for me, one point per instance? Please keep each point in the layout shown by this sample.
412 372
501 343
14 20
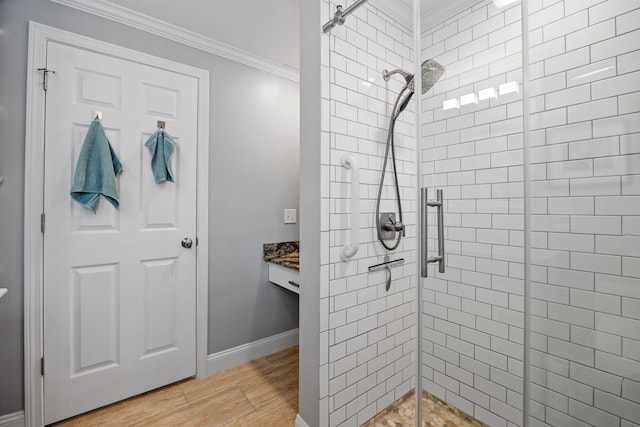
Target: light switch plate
289 216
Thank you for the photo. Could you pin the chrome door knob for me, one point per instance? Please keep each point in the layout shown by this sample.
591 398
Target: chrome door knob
187 243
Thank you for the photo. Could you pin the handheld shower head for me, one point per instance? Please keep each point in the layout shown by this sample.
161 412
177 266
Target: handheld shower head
430 72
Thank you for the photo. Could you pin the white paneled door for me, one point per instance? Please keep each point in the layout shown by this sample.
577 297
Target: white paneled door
119 287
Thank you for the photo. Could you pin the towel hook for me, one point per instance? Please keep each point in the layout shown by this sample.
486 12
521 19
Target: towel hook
161 124
97 115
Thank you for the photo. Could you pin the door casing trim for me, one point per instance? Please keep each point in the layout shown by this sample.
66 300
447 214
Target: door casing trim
39 36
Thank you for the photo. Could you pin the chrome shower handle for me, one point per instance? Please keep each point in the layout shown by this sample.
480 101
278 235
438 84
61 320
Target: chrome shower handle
438 203
424 222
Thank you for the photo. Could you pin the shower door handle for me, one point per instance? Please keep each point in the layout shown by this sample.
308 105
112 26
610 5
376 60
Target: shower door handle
424 243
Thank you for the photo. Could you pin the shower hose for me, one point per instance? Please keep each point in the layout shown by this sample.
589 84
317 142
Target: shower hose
391 147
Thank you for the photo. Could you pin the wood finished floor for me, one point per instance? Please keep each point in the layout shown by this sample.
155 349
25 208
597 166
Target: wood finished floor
263 392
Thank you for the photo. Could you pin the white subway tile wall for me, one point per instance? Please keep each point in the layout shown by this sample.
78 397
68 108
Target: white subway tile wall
585 243
367 334
580 328
472 315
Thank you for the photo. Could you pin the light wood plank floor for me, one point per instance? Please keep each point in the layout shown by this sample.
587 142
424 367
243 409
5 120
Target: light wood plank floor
263 392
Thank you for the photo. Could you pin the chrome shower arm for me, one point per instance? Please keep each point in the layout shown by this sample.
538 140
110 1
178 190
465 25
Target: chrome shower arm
341 15
386 74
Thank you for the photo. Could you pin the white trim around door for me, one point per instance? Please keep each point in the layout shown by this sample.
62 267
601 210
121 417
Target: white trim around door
39 36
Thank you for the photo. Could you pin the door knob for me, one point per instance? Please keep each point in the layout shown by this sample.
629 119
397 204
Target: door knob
187 243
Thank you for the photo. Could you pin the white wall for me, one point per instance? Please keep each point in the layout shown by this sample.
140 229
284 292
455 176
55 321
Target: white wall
367 334
254 176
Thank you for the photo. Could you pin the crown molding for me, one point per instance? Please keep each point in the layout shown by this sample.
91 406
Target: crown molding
135 19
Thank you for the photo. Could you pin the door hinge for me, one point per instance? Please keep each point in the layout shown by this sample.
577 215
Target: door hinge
42 366
45 76
42 219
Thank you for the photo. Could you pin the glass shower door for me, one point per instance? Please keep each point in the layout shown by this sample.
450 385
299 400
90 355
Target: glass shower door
471 150
584 310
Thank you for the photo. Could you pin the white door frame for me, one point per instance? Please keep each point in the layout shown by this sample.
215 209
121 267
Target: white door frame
39 36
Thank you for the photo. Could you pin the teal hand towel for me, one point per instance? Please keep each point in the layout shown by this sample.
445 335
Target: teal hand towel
96 170
161 146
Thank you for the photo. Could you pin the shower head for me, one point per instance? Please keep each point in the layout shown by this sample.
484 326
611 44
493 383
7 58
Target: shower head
430 71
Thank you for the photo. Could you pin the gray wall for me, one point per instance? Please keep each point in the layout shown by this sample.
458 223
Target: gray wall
254 176
310 201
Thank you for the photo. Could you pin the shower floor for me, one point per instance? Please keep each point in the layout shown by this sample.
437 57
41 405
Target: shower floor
436 413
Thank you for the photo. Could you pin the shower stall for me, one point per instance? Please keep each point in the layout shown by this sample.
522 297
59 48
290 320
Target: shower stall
528 144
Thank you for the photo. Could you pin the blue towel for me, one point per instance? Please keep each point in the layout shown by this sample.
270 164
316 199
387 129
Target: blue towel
96 170
162 147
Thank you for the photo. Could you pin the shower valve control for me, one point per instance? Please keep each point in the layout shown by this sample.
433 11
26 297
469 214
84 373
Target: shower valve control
389 226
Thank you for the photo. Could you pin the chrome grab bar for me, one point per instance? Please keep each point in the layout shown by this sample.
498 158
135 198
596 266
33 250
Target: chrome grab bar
424 247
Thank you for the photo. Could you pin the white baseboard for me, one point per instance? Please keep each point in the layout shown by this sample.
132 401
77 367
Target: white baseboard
15 419
300 422
247 352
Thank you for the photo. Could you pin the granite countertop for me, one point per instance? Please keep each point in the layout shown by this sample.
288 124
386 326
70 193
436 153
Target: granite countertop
286 254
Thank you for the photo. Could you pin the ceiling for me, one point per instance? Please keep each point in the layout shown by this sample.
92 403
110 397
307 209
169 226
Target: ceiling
268 29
